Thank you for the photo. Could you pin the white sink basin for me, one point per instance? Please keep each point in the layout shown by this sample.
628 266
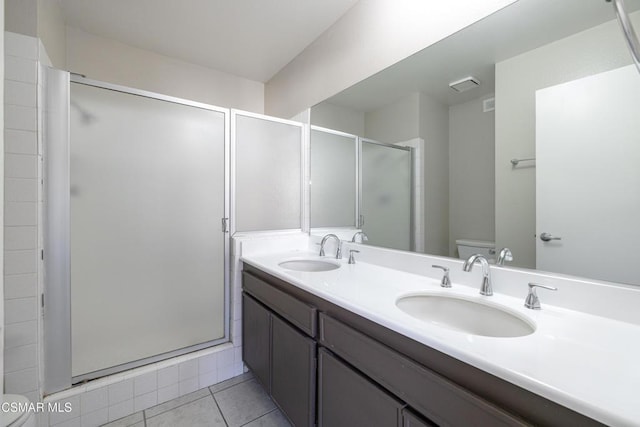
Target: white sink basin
466 314
311 265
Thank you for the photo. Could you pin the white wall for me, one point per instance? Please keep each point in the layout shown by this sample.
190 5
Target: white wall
471 173
21 16
395 122
111 61
336 117
371 36
434 130
52 32
590 52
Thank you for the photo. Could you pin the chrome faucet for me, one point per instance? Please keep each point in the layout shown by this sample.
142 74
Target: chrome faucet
532 301
445 282
485 288
505 255
338 241
363 235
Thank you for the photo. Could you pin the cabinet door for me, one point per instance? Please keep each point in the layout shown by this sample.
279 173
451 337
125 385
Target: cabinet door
409 419
256 339
348 399
293 372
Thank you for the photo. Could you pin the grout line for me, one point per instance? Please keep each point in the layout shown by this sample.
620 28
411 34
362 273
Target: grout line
263 415
144 417
215 402
231 385
172 408
144 412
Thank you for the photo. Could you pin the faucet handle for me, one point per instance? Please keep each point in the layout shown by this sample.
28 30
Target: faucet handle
446 281
363 237
532 301
339 250
352 258
505 255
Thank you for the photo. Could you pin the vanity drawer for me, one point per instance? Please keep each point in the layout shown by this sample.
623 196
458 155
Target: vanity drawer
298 313
430 394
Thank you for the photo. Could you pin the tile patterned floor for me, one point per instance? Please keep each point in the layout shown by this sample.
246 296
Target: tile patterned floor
238 402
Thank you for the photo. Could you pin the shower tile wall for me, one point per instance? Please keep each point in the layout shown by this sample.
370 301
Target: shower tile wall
21 216
117 396
108 398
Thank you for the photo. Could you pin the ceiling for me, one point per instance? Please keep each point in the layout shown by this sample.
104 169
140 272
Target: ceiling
253 39
474 51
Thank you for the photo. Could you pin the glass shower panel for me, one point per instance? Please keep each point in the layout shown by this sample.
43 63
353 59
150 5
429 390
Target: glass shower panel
268 176
386 195
333 179
147 250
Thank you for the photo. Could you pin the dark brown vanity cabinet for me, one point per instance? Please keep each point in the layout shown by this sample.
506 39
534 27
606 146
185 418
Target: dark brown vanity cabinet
282 356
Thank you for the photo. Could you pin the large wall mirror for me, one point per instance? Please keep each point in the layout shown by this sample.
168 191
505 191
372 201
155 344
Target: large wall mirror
540 134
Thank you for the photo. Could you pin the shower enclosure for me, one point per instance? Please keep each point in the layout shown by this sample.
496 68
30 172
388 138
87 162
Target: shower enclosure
357 182
387 194
137 196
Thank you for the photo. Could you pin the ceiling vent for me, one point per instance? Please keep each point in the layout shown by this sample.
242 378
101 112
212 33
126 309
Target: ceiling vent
465 84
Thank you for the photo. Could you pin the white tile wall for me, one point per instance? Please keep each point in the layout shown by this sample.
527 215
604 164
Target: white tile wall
167 377
19 334
145 401
20 142
21 46
168 393
21 216
20 93
20 189
20 117
19 262
21 213
20 286
17 359
19 69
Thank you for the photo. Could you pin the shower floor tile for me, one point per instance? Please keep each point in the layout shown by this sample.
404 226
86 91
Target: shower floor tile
238 402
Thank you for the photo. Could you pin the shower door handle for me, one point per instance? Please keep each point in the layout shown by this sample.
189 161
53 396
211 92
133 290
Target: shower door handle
547 237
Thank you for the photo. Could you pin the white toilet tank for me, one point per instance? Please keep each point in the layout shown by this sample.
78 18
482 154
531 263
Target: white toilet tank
466 248
14 418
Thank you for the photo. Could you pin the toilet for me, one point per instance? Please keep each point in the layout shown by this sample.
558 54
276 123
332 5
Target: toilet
16 418
466 248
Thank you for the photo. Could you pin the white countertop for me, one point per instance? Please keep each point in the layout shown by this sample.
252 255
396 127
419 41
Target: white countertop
584 362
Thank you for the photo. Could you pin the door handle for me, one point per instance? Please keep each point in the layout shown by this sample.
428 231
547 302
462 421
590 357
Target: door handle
547 237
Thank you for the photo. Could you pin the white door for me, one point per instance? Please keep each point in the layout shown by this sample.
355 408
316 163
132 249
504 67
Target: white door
588 175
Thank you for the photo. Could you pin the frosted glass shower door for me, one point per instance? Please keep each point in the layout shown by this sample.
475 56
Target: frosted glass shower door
333 178
386 194
147 249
